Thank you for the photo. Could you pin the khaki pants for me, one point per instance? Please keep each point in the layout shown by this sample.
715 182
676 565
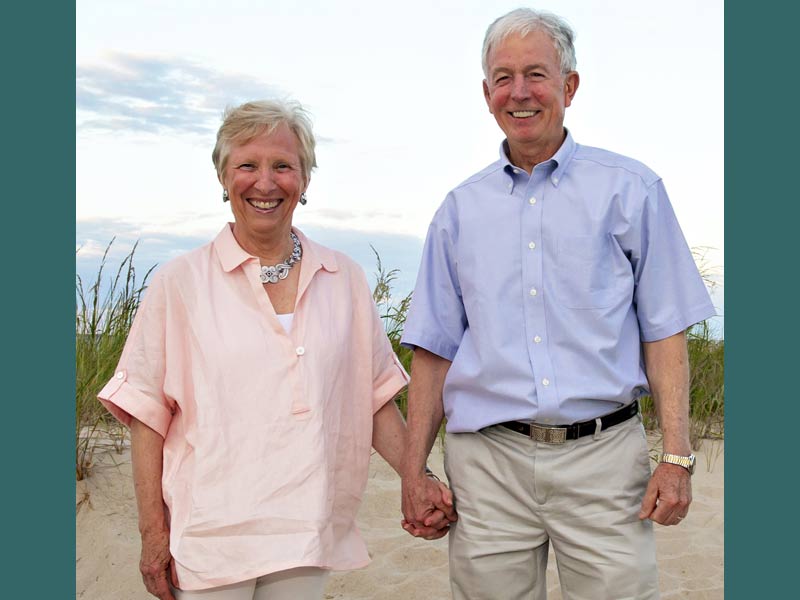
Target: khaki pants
515 496
302 583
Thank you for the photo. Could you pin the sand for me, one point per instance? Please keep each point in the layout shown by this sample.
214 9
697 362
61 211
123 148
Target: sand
690 556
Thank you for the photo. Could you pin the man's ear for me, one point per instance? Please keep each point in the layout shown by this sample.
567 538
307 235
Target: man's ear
571 82
486 95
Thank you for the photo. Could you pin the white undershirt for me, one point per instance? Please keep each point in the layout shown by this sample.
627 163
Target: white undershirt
286 321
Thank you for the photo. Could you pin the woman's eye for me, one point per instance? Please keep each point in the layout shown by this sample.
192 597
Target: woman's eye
283 166
246 166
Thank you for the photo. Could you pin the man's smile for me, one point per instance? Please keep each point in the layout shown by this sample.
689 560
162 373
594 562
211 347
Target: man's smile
523 114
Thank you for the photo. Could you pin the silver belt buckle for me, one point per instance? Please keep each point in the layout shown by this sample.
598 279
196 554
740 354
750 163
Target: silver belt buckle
548 435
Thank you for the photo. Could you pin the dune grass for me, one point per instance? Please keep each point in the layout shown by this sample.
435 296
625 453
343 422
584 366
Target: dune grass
102 322
393 312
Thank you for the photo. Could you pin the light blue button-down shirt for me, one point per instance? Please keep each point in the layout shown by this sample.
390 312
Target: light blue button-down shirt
541 289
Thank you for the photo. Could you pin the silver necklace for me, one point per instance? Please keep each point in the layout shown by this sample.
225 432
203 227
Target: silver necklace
281 270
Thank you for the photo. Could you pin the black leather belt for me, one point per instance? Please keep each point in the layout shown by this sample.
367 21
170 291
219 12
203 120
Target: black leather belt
558 434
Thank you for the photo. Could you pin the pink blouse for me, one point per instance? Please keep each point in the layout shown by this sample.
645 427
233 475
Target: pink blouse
267 435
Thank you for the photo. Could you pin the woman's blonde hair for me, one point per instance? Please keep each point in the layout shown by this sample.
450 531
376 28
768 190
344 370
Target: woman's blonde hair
242 123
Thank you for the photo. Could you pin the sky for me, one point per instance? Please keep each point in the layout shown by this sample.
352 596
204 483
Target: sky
399 116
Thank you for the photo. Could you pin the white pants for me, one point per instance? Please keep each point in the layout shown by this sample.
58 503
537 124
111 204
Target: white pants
303 583
515 497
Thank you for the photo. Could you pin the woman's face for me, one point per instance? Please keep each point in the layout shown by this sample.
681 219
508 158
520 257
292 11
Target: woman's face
264 180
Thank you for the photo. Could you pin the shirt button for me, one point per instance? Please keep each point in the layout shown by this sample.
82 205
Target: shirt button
119 375
510 185
532 200
545 381
532 245
300 351
516 170
555 179
537 339
533 292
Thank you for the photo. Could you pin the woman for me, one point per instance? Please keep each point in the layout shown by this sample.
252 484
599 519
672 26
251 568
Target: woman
255 380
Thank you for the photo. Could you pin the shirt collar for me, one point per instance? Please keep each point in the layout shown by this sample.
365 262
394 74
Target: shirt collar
561 158
231 254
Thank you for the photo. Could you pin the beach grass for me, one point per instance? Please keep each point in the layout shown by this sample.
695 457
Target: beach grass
103 318
393 312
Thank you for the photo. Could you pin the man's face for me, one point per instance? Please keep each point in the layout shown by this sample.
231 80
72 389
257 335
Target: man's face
527 93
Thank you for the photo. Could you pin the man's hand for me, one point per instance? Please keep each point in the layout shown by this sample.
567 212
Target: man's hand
156 565
427 507
668 495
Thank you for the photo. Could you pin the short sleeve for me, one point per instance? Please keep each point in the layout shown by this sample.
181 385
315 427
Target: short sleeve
136 388
669 293
437 319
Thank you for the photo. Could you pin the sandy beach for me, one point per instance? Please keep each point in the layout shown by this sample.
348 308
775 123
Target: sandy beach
690 556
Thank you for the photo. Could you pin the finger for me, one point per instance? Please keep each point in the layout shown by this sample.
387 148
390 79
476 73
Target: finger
445 505
425 532
649 501
438 518
158 587
439 534
447 495
668 511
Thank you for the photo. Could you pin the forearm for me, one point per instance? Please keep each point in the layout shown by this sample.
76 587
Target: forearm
425 409
147 452
667 367
389 434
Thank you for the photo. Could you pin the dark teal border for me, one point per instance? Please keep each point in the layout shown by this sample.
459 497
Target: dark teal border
762 214
37 43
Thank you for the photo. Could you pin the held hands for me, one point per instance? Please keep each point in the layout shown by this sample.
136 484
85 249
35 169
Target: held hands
668 495
427 507
156 565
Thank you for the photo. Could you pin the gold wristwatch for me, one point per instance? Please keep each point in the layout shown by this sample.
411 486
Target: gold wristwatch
687 462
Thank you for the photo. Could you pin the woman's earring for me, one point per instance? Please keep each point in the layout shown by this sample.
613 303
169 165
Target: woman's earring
303 199
225 196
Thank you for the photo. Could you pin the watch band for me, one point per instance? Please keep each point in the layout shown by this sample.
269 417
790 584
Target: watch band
687 462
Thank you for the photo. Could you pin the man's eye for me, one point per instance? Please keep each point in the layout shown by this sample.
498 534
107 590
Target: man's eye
501 79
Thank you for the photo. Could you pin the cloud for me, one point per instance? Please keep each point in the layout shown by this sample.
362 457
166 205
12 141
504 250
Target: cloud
158 95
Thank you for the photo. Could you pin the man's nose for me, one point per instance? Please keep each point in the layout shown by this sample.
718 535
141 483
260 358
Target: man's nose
519 89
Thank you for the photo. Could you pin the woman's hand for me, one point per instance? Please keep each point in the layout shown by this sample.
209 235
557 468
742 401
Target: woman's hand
428 507
156 565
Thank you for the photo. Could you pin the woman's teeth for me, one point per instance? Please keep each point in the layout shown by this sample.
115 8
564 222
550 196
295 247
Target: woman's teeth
264 204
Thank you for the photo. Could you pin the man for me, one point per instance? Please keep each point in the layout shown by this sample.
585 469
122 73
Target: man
555 289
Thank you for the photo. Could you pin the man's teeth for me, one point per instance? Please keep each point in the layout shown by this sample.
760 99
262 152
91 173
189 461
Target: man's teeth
521 114
264 204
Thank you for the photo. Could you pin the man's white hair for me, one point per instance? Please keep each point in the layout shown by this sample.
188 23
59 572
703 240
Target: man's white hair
523 21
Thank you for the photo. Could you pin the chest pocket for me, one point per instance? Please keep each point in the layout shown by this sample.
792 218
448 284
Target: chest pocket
585 274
